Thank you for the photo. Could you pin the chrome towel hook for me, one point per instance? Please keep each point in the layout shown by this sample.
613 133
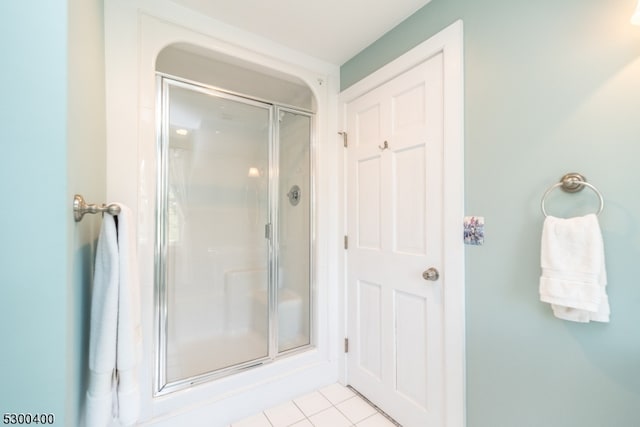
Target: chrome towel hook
571 183
80 207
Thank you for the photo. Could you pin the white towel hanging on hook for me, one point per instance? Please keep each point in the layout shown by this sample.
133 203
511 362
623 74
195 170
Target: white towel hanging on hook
115 334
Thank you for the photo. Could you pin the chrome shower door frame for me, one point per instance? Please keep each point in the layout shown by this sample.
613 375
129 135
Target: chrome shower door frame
162 385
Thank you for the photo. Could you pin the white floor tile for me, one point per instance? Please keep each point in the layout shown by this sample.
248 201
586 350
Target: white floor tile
284 415
258 420
332 406
330 418
336 393
312 403
377 420
356 409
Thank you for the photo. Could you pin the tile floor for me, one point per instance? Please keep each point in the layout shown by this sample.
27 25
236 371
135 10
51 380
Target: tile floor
332 406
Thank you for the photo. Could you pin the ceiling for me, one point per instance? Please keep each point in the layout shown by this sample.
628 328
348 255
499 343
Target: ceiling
330 30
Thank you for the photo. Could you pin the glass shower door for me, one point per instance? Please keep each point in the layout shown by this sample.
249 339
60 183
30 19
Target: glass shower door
214 207
294 226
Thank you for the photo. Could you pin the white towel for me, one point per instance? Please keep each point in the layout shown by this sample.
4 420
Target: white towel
103 330
573 276
115 335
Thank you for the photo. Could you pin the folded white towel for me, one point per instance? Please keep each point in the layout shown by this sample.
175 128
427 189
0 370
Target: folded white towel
115 340
573 276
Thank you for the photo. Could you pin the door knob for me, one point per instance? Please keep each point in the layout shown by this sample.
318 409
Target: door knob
431 274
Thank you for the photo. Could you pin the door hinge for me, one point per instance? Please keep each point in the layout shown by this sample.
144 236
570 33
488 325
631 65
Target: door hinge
346 345
344 138
267 231
346 242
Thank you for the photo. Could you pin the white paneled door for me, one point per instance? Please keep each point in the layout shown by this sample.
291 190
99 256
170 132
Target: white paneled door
395 256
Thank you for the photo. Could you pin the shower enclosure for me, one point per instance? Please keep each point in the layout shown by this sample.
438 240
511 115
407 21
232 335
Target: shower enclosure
233 232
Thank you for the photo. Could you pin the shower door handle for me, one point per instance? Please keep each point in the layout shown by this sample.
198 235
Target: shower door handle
267 231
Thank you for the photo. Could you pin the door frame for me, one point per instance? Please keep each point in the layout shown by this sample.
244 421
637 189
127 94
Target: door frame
449 42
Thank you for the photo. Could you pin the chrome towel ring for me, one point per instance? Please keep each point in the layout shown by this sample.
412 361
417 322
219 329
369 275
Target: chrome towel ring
571 183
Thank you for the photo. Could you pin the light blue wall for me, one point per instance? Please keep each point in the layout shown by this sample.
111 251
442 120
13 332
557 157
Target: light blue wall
550 87
52 139
33 171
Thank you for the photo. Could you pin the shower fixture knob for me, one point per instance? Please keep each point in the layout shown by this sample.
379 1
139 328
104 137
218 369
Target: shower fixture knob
294 195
